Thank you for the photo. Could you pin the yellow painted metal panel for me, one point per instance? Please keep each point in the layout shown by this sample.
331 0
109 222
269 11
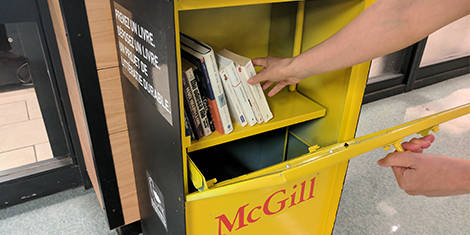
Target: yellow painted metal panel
184 5
353 102
186 141
299 28
335 195
323 19
282 31
199 181
243 29
327 156
293 196
295 207
340 91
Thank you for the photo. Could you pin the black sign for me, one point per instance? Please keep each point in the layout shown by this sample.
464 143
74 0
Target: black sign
143 59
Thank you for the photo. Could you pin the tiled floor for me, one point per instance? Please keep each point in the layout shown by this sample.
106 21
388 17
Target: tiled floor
371 201
73 212
23 137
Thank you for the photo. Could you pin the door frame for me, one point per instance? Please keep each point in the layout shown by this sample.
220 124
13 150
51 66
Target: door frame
413 76
32 181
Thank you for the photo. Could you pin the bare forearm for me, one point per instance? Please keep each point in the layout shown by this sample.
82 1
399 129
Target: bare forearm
385 27
460 184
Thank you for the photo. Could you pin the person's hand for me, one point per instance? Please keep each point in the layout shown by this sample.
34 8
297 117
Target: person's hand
418 145
275 70
428 174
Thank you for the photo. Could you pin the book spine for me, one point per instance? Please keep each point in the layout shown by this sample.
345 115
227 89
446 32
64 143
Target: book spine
199 104
207 111
244 78
216 83
241 95
258 94
187 126
233 105
212 99
208 89
190 106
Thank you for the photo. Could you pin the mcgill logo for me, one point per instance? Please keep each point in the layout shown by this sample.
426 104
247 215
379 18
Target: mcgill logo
244 215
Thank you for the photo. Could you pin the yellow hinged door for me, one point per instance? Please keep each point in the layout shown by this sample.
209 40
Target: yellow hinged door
292 197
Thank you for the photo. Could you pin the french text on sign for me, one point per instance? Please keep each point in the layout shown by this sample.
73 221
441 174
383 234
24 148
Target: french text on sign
140 31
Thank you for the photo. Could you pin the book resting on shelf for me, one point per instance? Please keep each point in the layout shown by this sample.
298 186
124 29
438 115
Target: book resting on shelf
220 81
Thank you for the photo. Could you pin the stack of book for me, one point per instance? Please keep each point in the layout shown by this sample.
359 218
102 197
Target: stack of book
216 91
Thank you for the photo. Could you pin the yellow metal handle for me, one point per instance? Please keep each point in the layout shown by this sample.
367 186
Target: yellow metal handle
426 131
397 145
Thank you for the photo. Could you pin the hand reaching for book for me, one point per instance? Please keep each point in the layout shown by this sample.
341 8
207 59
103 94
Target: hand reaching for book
368 36
276 70
428 174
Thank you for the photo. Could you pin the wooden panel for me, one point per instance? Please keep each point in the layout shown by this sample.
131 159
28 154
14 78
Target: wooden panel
130 206
75 98
113 100
102 33
122 158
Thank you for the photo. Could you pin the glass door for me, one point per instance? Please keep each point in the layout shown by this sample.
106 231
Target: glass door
38 147
443 55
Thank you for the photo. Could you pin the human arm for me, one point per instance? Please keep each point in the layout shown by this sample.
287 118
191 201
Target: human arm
386 26
428 174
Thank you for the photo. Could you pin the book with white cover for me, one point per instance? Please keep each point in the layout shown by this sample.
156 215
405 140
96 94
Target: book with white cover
249 93
247 70
203 57
234 107
226 66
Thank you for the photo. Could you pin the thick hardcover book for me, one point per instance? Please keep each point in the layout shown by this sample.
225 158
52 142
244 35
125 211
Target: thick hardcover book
246 71
191 109
192 83
239 106
203 57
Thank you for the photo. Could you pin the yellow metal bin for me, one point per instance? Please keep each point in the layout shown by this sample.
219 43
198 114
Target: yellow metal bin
280 177
298 196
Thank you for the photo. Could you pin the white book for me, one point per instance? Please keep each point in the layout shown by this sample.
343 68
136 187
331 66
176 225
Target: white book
236 86
249 93
234 107
206 55
246 71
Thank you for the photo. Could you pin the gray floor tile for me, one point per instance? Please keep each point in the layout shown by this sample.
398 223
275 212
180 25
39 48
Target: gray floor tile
71 212
372 202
